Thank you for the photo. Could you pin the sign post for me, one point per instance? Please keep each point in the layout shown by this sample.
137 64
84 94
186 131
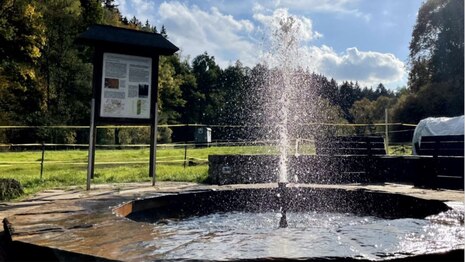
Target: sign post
125 82
153 147
92 135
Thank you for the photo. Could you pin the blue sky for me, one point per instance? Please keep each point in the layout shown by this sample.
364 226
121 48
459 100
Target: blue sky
354 40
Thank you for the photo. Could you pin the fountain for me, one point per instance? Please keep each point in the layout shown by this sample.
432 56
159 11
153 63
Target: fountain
284 205
260 221
283 84
247 223
294 221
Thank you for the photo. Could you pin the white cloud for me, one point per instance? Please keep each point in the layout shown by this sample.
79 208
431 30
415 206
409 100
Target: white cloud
320 5
348 7
274 22
367 67
142 9
257 8
345 7
196 31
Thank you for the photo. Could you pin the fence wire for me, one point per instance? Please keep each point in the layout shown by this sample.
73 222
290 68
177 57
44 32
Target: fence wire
300 145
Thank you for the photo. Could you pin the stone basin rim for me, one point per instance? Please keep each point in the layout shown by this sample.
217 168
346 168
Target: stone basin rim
104 202
410 206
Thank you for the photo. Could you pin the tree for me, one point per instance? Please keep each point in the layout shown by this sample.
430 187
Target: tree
66 68
231 84
234 110
348 94
432 100
22 37
328 89
163 31
207 73
436 63
92 12
149 28
134 23
45 77
437 41
169 92
192 111
366 111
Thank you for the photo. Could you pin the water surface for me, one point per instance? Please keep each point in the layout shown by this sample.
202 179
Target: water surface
242 235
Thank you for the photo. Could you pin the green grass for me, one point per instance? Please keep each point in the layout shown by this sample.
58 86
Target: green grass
69 167
400 150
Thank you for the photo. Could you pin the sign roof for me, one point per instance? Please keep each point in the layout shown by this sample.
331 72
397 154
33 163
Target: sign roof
143 42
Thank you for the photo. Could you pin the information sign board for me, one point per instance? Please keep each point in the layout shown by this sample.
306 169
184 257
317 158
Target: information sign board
125 89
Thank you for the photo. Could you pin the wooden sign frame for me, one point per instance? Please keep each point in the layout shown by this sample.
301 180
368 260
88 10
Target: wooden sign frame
123 105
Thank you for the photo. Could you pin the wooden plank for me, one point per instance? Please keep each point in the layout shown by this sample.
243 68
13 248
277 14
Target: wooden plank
442 138
441 145
351 145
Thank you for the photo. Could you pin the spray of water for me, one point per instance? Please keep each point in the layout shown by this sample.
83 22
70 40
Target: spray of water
282 96
286 77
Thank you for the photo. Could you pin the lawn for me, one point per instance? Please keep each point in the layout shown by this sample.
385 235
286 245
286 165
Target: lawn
69 167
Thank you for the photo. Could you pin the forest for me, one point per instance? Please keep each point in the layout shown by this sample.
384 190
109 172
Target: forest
45 77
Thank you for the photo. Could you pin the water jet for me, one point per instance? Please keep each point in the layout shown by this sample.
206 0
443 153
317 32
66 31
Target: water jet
283 204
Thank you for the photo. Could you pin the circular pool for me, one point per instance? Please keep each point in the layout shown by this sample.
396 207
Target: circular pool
322 224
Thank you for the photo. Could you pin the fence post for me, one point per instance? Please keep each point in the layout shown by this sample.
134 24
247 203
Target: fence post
185 144
42 161
185 155
117 142
386 130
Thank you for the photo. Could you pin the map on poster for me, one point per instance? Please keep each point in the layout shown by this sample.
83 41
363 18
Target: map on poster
126 86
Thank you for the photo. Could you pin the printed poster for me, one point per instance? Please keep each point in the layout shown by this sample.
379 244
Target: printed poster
126 86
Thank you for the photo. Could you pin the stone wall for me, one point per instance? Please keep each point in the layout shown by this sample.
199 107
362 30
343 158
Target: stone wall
442 172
